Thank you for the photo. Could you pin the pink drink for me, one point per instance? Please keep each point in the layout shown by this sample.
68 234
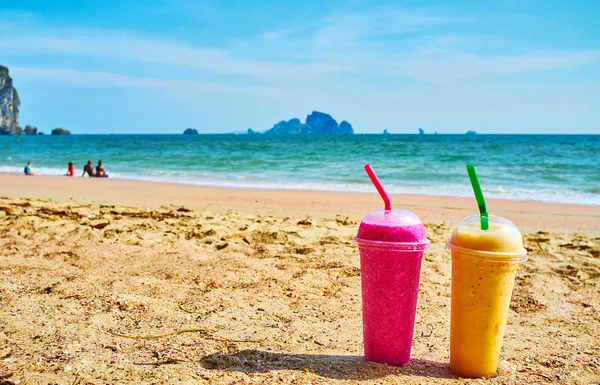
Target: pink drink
391 244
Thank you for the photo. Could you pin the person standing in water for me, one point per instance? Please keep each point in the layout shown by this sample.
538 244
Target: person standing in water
27 169
89 169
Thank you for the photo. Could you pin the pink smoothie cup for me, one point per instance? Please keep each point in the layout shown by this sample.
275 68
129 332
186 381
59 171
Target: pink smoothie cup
391 245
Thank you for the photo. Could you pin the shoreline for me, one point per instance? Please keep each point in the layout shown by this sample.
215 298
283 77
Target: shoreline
530 215
364 187
302 190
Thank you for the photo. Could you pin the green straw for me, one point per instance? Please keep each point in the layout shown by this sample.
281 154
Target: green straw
479 196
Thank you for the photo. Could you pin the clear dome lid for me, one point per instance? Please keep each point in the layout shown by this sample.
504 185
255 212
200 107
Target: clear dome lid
501 237
397 225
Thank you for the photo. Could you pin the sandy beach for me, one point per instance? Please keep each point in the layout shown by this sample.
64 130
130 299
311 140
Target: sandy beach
111 281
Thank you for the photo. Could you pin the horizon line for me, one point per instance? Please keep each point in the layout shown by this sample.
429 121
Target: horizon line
263 133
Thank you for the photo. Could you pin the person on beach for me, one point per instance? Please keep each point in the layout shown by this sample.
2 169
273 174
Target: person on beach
89 169
100 172
27 170
71 169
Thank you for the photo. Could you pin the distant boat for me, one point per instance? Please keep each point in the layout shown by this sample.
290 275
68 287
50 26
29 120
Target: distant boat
385 132
471 133
435 133
421 132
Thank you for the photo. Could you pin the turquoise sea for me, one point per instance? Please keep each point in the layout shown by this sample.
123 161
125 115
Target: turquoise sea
551 168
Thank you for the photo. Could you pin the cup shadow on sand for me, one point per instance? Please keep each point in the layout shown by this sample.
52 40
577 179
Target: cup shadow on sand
330 366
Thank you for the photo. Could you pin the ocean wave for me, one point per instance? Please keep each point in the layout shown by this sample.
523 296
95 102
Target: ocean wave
356 180
38 170
207 179
554 178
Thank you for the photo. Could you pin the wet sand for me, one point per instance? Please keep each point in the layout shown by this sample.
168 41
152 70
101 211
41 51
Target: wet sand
107 281
528 215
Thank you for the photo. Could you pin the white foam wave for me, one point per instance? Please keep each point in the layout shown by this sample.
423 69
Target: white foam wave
38 170
249 182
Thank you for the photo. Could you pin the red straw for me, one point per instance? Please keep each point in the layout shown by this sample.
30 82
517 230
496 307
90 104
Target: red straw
386 198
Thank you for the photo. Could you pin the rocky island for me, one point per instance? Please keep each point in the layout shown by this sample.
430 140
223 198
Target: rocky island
29 130
316 123
60 131
9 104
190 131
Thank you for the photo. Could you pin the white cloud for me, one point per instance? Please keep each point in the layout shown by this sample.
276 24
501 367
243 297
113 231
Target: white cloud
336 45
430 66
352 27
123 46
73 77
453 67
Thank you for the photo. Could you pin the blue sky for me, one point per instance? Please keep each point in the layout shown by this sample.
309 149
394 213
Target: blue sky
512 66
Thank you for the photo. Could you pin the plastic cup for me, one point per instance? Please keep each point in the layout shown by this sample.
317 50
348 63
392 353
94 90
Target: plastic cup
391 245
484 264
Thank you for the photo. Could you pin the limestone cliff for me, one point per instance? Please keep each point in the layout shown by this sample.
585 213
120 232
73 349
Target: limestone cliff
322 123
9 104
292 126
345 128
316 123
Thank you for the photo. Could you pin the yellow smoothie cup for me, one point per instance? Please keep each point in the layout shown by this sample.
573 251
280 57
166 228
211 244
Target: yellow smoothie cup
484 264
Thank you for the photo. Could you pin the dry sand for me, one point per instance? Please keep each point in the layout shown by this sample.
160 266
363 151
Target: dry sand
261 287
